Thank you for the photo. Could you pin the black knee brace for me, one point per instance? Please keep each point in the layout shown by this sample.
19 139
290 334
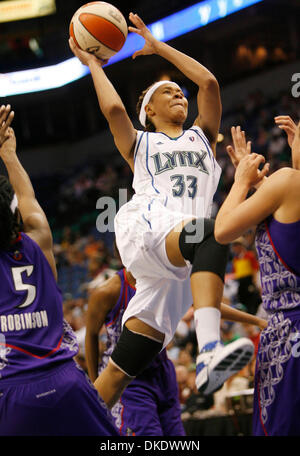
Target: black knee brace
198 245
134 352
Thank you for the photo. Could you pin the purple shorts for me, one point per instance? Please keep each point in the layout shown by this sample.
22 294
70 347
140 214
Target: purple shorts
150 404
61 402
277 388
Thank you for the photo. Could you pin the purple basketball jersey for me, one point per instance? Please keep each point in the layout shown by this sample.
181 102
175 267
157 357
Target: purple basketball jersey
33 333
277 391
280 284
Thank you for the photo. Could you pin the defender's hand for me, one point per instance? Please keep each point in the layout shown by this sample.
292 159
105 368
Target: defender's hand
286 124
247 171
241 147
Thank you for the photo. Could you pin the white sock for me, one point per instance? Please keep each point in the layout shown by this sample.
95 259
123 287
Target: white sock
207 325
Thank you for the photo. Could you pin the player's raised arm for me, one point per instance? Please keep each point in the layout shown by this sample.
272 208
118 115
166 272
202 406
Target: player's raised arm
110 104
34 219
101 302
209 100
6 118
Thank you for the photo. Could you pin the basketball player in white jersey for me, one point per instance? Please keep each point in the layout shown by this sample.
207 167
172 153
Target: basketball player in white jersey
164 234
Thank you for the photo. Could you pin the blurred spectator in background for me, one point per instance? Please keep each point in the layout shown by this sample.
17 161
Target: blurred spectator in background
185 359
235 384
245 270
254 334
228 332
182 381
94 246
195 402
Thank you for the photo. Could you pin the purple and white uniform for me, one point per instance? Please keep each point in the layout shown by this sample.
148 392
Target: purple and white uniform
277 386
42 390
154 390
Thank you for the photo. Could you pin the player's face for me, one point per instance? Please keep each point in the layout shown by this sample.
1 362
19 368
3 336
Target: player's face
169 104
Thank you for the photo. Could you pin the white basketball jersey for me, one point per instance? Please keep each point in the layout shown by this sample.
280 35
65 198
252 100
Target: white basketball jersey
182 172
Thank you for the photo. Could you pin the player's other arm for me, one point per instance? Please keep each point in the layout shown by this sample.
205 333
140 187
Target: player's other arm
34 219
101 301
208 99
209 107
231 314
110 104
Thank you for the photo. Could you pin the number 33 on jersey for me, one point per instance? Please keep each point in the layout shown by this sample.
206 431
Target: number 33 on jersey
181 171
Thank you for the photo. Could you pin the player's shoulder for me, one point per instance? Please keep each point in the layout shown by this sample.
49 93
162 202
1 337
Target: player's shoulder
198 130
284 177
286 172
108 290
200 134
141 141
29 243
195 127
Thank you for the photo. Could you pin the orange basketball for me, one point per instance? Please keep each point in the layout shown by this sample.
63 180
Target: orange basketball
99 28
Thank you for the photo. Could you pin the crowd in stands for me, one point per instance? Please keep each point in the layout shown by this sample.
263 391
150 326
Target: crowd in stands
86 258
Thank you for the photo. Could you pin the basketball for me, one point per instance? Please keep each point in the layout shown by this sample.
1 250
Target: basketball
99 28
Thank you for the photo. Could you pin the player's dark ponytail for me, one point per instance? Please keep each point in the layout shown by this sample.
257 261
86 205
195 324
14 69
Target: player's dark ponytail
149 125
9 223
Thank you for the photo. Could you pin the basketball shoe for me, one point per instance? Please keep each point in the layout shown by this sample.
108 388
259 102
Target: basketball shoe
216 363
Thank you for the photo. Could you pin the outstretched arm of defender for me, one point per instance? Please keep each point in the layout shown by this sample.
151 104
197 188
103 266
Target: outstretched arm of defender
231 314
209 100
238 214
110 104
34 219
240 149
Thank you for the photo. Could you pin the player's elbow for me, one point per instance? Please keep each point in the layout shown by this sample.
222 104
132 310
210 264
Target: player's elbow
222 239
114 111
210 83
222 236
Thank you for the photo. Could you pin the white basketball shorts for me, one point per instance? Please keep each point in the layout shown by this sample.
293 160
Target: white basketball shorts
163 291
